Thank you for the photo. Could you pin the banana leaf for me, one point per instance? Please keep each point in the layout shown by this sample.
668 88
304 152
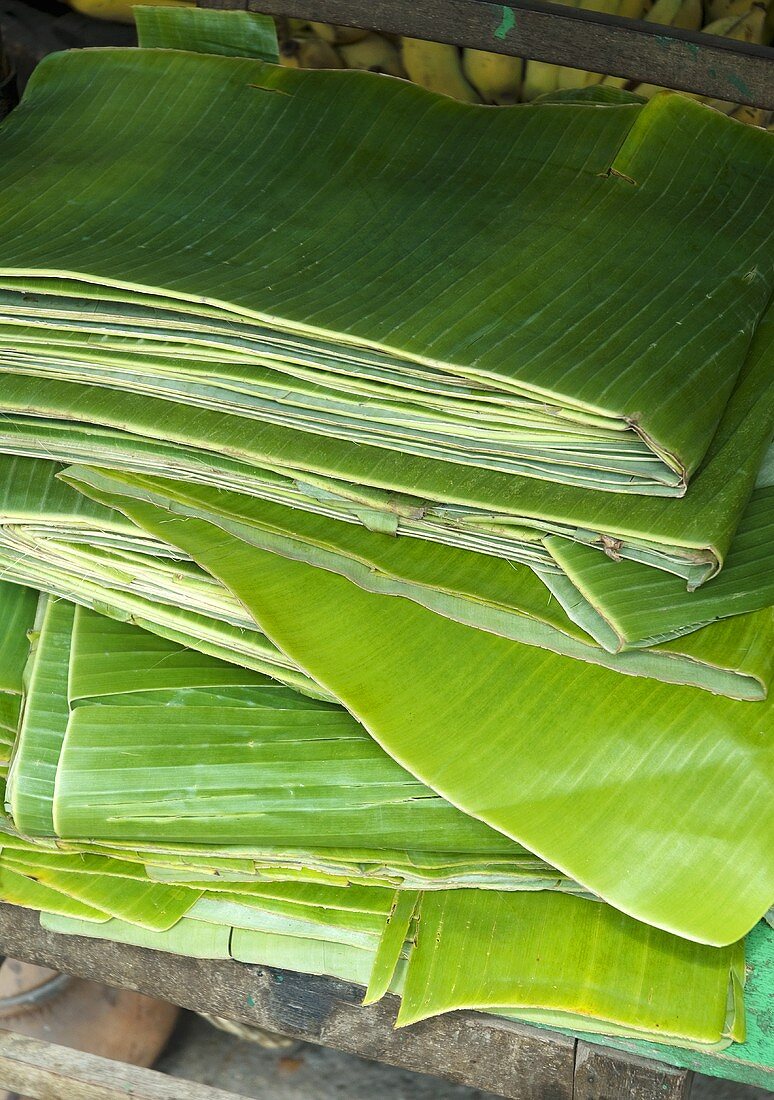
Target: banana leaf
509 868
512 954
193 938
577 958
653 796
138 740
643 607
540 336
19 889
505 519
733 658
348 931
397 928
47 532
233 33
18 608
336 960
56 539
30 788
500 515
149 904
609 164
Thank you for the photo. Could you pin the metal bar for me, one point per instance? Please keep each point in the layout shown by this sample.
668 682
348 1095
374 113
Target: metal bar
742 72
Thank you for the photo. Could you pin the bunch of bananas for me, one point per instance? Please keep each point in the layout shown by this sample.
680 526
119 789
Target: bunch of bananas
477 76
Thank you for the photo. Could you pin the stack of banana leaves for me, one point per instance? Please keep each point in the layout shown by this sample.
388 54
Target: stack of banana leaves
386 499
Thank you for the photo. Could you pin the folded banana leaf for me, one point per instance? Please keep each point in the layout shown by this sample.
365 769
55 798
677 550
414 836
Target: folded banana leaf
129 738
643 607
508 958
19 608
502 939
734 658
57 540
49 537
510 954
233 33
465 345
653 796
133 897
18 889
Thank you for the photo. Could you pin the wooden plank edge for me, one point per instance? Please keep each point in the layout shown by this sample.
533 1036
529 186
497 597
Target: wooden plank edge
605 1074
46 1071
689 61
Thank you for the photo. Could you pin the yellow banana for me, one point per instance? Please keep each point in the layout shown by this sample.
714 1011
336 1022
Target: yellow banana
120 11
373 53
632 9
540 77
495 76
676 13
722 26
309 53
748 27
437 66
753 116
336 35
719 9
576 78
671 13
627 9
690 16
580 78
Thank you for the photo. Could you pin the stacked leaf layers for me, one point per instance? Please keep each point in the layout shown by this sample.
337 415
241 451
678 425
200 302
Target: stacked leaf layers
426 454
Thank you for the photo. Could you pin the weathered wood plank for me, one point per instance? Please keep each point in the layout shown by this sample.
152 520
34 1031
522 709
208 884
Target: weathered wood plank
739 71
605 1074
45 1071
499 1056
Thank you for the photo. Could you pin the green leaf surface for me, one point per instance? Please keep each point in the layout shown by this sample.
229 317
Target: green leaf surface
537 331
233 33
655 776
35 759
478 590
192 938
578 958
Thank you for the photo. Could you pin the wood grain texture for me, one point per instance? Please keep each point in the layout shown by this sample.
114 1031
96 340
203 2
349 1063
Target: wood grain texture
604 1074
45 1071
667 56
